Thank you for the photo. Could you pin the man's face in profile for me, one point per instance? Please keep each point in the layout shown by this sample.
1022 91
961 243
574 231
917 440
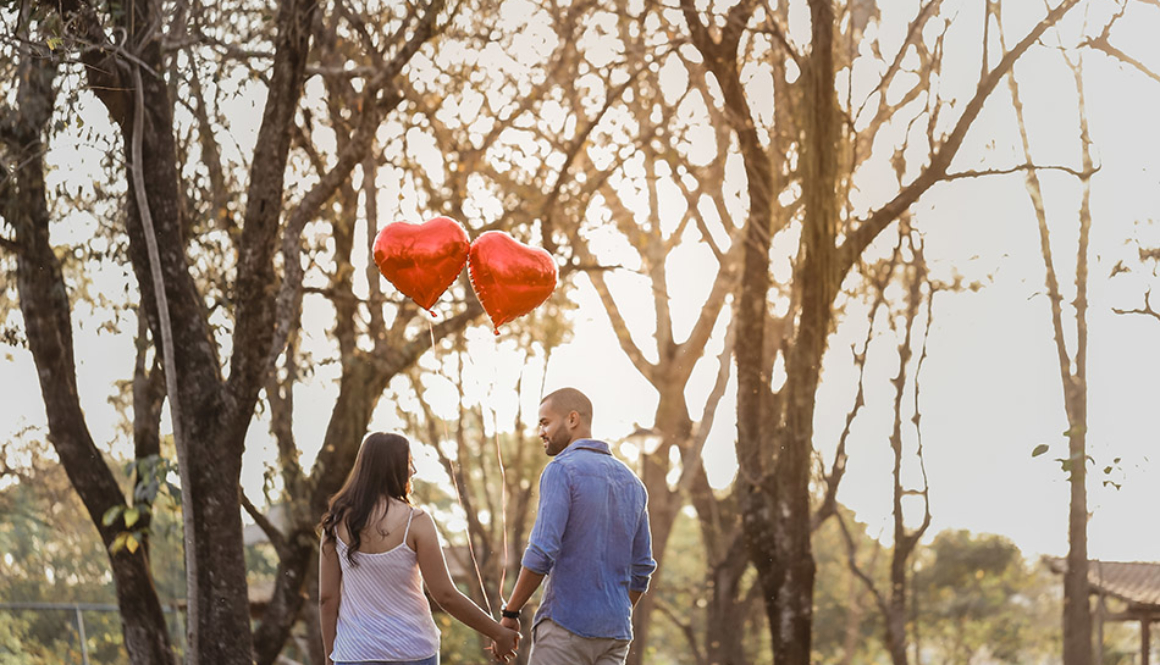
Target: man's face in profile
554 430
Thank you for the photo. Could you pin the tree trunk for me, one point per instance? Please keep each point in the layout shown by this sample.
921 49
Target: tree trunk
727 561
790 575
1077 646
896 632
673 422
286 604
1077 617
310 615
726 613
214 558
818 276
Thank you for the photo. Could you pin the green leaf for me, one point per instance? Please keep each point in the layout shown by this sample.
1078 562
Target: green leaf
119 542
131 543
111 515
1039 450
54 43
131 517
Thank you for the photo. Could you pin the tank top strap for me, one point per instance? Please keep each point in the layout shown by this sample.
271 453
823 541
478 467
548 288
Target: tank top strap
406 531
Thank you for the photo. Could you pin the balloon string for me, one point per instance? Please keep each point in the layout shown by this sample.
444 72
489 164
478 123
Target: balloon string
459 498
502 505
502 474
499 460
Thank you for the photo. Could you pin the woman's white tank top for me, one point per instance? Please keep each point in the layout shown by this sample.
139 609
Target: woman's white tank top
382 612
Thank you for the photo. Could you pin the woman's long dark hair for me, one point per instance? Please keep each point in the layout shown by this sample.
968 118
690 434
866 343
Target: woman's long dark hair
382 471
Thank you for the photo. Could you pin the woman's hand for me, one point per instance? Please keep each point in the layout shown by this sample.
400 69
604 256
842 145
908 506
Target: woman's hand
504 645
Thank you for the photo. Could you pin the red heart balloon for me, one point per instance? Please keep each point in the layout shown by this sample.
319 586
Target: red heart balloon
422 260
510 279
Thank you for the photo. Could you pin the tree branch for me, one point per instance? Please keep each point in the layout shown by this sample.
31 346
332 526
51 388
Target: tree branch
861 237
829 504
1146 310
619 326
1035 192
774 29
852 560
276 538
735 22
692 459
256 311
1101 43
913 32
1020 169
692 199
685 627
573 151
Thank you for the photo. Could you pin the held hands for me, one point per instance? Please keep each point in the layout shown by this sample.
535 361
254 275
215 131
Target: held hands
504 646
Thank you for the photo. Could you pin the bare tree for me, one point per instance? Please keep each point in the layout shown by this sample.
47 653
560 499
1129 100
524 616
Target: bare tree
1077 619
775 428
45 305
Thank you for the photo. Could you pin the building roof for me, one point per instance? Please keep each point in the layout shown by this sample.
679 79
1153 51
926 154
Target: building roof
1134 582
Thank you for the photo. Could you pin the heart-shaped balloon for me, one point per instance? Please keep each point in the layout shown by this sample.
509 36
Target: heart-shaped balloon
422 260
510 279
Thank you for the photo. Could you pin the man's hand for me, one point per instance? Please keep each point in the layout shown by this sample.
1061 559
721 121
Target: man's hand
513 624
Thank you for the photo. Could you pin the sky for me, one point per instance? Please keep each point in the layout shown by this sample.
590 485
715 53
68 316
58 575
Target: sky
990 387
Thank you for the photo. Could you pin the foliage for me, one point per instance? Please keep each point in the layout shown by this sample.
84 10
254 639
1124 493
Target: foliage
52 554
977 597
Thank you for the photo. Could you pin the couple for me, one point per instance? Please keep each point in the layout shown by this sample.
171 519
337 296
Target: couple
590 540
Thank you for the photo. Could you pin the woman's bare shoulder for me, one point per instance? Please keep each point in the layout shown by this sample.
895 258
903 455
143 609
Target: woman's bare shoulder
423 523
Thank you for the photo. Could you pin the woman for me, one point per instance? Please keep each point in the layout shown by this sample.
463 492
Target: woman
377 551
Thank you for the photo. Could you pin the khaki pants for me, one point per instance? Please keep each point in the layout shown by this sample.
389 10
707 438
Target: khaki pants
552 644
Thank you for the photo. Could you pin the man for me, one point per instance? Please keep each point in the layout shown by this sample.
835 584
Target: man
591 540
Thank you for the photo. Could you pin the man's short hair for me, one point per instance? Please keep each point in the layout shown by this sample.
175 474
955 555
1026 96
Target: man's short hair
568 400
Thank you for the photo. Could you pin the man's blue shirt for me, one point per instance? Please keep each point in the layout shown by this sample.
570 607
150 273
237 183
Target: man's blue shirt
592 540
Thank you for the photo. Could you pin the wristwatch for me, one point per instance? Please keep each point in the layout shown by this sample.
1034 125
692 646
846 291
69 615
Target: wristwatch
510 614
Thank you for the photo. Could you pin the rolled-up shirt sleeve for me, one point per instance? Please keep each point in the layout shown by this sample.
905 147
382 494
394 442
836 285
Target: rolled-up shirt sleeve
551 518
643 564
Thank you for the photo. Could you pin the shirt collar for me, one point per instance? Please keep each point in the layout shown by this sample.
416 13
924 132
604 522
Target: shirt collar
587 444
